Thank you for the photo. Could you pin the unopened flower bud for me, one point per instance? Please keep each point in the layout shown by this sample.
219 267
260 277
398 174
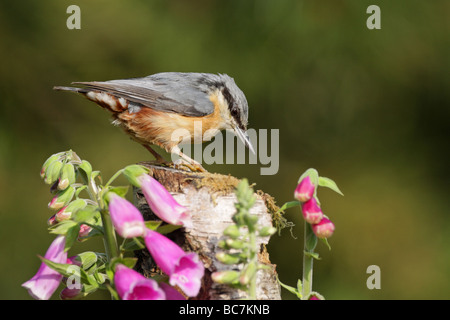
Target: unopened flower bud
72 293
52 220
315 296
62 214
72 156
232 231
323 229
311 211
251 220
75 260
304 190
53 171
267 231
234 244
67 176
67 211
228 258
62 198
54 187
47 163
226 277
248 273
84 232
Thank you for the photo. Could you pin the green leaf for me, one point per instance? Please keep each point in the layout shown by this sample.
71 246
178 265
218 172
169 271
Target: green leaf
293 290
328 183
62 227
325 241
133 244
72 156
313 175
311 239
152 224
313 255
71 236
167 228
90 278
121 190
87 289
132 172
128 262
114 294
100 277
85 214
77 193
288 205
85 170
299 286
65 269
87 259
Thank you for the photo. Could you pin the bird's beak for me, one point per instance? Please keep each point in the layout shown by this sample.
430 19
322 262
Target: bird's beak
244 138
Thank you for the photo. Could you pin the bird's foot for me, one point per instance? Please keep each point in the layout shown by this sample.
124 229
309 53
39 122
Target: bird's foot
193 167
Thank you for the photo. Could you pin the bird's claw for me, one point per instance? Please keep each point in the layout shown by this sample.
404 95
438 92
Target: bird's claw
193 167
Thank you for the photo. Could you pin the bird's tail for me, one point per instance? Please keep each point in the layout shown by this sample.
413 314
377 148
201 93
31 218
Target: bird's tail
72 89
103 99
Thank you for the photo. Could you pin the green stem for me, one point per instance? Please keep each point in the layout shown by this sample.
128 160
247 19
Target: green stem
307 262
109 236
254 260
118 173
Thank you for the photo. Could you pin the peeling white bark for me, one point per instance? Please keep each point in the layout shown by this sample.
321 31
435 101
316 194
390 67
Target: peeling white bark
212 208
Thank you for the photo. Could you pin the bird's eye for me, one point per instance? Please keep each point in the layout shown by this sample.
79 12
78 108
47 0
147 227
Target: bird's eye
234 112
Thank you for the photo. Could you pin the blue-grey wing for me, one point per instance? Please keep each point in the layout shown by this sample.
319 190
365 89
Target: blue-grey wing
183 93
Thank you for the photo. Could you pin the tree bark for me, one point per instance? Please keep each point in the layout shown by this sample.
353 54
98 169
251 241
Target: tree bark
210 198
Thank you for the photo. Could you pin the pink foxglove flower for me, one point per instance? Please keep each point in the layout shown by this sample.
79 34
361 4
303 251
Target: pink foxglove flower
323 229
171 292
84 232
71 293
126 218
46 280
73 289
304 190
131 285
184 269
311 211
162 203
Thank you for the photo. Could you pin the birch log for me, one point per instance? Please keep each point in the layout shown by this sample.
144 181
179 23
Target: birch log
210 198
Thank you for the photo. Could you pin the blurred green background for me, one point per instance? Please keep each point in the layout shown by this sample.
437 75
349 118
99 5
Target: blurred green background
367 108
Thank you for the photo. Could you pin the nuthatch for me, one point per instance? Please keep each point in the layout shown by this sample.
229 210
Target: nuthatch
151 108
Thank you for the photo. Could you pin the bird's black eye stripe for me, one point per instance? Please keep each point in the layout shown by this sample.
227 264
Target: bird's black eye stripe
227 95
231 105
